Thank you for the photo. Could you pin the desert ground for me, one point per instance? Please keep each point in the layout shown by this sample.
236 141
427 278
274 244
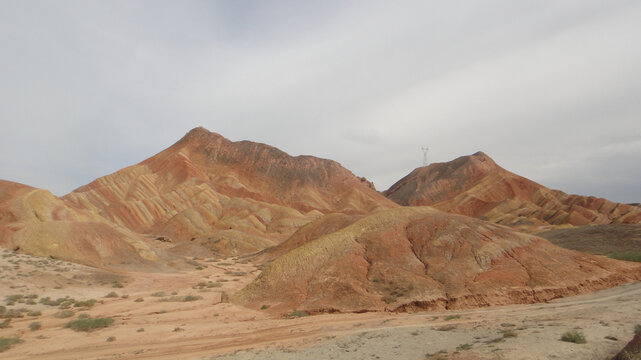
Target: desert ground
183 314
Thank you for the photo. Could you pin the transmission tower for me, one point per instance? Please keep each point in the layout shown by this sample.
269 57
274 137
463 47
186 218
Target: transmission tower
425 150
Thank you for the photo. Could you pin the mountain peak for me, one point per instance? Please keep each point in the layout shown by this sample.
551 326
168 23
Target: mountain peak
198 134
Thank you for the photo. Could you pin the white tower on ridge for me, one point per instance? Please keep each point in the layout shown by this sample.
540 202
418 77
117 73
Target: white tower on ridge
425 150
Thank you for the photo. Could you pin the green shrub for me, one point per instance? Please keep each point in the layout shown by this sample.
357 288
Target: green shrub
637 329
64 314
87 303
89 324
181 298
13 298
6 343
627 256
574 336
47 301
264 307
297 313
35 326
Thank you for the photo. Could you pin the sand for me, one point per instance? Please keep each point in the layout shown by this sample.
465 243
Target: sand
210 329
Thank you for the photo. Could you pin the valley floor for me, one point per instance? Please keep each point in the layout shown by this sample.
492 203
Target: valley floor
182 315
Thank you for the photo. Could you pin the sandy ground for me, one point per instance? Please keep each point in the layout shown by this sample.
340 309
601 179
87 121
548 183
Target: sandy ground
153 325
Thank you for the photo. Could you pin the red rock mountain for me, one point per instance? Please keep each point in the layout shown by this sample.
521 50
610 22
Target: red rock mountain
230 197
422 258
36 222
476 186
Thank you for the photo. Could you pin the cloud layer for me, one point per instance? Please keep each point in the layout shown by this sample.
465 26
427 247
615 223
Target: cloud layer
549 89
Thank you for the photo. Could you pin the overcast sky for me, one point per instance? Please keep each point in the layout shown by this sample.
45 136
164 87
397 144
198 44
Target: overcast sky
550 89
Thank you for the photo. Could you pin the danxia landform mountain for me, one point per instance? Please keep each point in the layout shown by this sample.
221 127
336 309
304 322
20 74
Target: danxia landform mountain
228 197
328 241
476 186
419 258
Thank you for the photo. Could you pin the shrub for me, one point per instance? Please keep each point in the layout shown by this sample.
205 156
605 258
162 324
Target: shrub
264 307
452 317
140 330
159 294
112 295
89 324
87 303
47 301
509 334
111 338
5 324
574 336
34 313
35 326
6 343
181 298
64 314
637 329
117 285
297 313
139 300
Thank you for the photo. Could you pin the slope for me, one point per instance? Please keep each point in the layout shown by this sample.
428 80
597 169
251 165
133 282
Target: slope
421 258
214 191
476 186
36 222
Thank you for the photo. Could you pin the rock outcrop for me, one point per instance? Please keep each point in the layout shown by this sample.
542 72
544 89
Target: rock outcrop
420 258
476 186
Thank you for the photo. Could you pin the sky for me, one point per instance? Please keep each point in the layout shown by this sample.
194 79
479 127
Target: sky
550 89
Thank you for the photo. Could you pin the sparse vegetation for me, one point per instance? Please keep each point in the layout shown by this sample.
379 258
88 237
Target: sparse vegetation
235 273
89 324
35 326
394 291
627 256
181 298
297 313
574 336
6 343
63 314
509 334
34 313
86 303
5 324
159 294
452 317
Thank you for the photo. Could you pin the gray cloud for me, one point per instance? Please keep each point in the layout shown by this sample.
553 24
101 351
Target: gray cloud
548 88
